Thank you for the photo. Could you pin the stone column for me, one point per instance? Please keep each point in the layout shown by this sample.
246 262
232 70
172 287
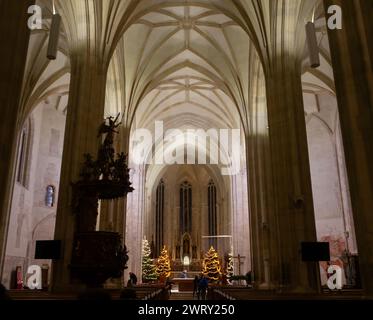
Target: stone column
263 242
292 212
352 56
85 114
14 38
260 184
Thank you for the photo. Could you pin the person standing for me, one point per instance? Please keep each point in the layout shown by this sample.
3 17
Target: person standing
202 288
4 293
248 278
195 286
133 279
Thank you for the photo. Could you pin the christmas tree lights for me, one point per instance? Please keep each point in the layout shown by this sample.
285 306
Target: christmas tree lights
164 265
148 268
211 265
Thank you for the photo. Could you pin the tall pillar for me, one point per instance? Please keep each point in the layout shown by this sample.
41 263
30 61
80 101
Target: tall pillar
14 37
85 114
93 31
288 213
292 213
352 56
259 182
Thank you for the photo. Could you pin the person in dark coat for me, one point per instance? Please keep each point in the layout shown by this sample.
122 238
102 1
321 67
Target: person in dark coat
248 278
4 293
133 279
195 286
202 288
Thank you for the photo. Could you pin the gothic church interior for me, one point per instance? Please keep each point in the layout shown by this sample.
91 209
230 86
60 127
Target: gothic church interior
222 150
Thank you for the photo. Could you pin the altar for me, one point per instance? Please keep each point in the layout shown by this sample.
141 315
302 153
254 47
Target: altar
184 284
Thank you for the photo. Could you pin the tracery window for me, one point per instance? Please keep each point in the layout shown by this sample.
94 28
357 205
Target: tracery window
212 212
23 154
186 207
159 218
50 196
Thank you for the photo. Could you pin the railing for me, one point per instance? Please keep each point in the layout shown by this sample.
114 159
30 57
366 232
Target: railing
226 296
155 293
143 292
217 293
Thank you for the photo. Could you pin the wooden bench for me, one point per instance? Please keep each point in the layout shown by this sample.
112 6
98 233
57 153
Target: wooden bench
143 292
247 293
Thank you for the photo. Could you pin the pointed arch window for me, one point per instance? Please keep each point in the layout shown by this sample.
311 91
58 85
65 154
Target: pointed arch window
186 207
159 218
23 154
212 212
50 196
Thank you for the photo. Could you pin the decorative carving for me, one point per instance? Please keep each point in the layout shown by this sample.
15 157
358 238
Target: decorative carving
86 208
106 178
98 256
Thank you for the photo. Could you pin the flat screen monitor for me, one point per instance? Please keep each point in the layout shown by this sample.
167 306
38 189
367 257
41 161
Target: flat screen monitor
315 251
48 249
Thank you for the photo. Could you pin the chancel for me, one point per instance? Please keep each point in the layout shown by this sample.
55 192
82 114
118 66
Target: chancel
187 149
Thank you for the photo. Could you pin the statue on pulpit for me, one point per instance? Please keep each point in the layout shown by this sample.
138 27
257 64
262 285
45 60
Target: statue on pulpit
108 127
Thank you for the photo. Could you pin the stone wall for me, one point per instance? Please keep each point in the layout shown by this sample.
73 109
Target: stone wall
331 195
30 218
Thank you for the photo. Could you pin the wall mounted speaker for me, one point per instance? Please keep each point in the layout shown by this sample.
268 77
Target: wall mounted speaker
313 48
54 36
315 251
48 249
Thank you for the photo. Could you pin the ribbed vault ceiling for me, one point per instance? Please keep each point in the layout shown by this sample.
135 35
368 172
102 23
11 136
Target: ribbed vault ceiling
189 63
185 62
192 64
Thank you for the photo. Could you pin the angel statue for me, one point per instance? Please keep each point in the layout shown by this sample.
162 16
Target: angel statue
106 151
109 129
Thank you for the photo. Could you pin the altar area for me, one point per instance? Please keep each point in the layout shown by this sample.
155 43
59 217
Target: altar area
181 284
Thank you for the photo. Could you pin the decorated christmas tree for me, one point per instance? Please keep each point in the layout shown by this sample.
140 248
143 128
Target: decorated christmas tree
211 265
229 271
148 268
163 265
